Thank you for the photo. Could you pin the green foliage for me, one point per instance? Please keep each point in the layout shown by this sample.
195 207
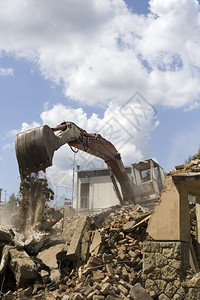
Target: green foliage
188 160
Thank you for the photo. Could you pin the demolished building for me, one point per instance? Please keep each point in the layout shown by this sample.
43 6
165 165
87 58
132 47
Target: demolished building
95 187
122 252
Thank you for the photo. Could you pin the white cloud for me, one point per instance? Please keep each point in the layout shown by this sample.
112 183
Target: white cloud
6 72
102 51
25 126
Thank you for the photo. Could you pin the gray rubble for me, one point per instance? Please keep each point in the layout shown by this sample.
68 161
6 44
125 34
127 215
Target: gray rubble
98 260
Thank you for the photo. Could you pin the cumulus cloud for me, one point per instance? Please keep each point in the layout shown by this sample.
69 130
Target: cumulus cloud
100 51
6 71
25 126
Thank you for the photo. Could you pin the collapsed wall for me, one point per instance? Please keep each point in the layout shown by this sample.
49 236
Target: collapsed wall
170 256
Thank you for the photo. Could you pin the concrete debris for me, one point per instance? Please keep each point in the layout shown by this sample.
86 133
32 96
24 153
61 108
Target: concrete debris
33 212
5 235
52 217
48 256
95 261
21 265
84 258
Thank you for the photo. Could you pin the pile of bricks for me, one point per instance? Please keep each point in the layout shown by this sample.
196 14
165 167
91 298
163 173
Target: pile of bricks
107 260
99 258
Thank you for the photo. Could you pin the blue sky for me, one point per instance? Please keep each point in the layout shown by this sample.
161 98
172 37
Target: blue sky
82 73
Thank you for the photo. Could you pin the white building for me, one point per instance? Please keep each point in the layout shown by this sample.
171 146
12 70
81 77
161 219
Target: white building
95 189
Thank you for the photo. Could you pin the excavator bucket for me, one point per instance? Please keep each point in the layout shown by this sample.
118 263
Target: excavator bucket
35 148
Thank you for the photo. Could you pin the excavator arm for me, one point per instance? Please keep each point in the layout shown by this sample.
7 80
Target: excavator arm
35 149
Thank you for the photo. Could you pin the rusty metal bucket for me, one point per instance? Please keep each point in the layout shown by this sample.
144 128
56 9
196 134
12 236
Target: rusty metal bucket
35 149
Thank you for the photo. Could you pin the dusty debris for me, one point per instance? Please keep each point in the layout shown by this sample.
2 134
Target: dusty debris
34 196
95 261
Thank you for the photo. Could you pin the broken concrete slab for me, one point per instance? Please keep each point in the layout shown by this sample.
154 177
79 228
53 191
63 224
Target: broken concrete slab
170 219
85 244
48 256
73 252
35 241
96 243
22 266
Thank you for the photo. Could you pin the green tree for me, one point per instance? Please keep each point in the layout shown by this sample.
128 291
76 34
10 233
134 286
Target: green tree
11 205
188 160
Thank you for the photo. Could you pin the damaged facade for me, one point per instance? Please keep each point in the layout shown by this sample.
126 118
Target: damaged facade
95 188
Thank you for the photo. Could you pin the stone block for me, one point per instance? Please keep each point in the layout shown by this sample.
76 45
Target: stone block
163 297
160 260
169 273
176 264
86 241
137 292
168 252
22 266
96 243
181 252
155 285
148 262
123 290
105 287
98 275
155 274
151 246
73 252
170 290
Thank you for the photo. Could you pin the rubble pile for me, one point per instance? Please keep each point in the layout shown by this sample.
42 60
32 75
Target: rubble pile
191 167
97 257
